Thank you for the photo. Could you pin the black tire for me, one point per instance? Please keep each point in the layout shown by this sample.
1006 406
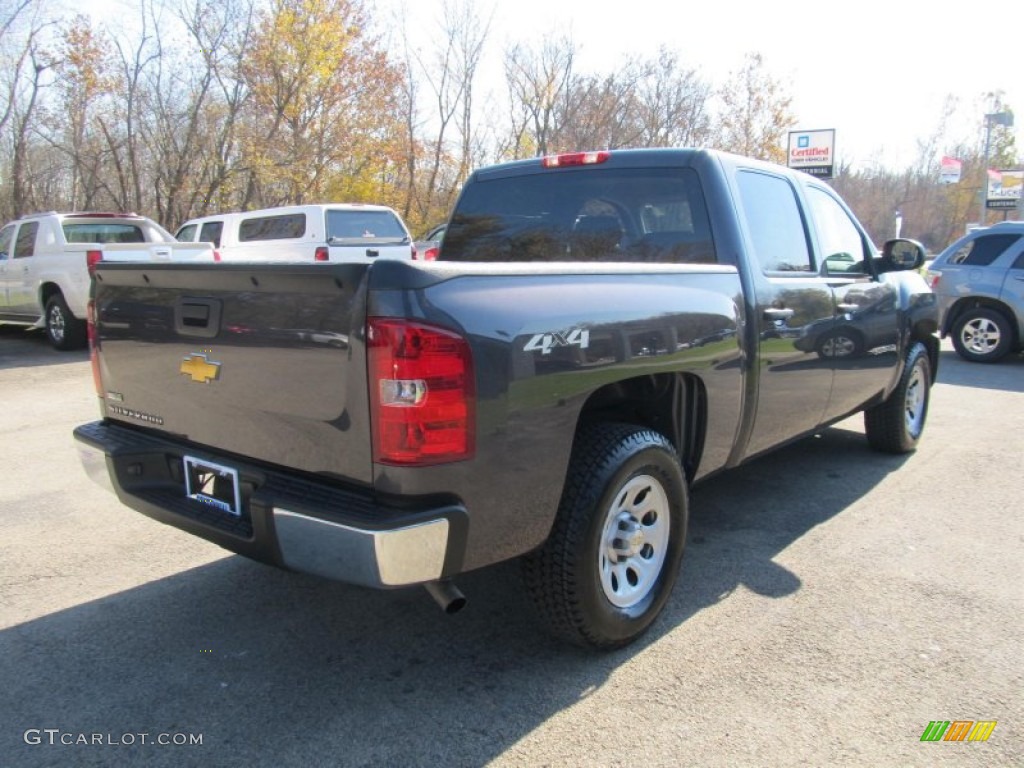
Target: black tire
63 329
982 335
895 425
586 597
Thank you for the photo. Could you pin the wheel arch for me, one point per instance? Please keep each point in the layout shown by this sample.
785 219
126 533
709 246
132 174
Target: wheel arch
968 303
46 290
673 404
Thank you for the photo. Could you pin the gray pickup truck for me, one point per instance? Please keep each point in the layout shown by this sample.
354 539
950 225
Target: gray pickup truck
600 331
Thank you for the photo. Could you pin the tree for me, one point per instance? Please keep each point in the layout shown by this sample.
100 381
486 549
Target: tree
537 81
756 113
322 119
448 73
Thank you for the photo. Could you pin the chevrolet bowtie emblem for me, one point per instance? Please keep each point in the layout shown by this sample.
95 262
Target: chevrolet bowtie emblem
198 368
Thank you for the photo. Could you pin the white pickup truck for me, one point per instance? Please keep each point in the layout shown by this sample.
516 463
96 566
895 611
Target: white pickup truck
46 260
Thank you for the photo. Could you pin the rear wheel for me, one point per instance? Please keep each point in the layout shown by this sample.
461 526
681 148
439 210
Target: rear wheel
982 335
614 552
63 329
895 425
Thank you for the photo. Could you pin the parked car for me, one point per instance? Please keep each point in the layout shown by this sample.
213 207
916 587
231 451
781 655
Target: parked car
305 233
979 282
46 260
429 247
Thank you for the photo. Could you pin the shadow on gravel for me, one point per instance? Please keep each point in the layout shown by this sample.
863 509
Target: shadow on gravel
275 668
1007 375
21 348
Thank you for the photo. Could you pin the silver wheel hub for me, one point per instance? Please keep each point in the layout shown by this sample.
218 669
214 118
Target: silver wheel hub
980 336
56 323
915 400
634 541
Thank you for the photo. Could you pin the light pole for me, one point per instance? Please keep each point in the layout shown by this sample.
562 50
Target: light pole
999 118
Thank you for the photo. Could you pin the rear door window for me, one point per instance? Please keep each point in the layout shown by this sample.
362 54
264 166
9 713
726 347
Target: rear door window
594 214
25 245
6 240
211 232
774 223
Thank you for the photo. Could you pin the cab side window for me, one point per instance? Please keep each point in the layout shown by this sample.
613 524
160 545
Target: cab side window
774 222
843 248
25 245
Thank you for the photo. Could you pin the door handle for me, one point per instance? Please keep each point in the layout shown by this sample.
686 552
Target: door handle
778 313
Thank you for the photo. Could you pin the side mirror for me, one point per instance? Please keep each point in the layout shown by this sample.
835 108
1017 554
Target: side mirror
902 254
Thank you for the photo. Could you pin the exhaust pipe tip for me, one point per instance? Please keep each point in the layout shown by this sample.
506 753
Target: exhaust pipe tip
447 595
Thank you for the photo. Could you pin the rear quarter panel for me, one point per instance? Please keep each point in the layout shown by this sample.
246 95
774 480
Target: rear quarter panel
659 319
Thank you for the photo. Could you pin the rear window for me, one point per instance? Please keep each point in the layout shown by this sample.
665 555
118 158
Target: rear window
102 232
347 225
288 226
982 250
594 214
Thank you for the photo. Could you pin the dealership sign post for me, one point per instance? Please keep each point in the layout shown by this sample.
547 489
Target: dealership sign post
813 152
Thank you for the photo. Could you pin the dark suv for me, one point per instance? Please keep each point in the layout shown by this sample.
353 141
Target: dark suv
979 283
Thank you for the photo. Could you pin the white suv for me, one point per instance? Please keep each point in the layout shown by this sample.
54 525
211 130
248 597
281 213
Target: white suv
323 232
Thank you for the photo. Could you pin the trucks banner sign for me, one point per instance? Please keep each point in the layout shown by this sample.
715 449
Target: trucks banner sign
813 152
1004 189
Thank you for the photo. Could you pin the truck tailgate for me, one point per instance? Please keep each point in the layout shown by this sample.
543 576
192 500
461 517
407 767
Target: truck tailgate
267 363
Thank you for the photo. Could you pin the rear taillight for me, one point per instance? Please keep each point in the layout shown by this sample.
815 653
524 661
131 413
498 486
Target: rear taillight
421 391
216 255
932 279
321 253
94 346
431 254
575 158
92 258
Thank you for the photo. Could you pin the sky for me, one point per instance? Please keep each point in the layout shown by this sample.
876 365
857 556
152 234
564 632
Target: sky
876 72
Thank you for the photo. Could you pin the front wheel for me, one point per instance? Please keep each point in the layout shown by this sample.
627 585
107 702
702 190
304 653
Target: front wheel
609 565
895 425
63 329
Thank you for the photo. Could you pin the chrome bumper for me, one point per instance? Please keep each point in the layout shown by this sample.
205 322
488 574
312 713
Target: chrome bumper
360 544
390 558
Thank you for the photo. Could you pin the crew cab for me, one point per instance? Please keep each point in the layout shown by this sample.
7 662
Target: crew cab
320 233
599 332
46 260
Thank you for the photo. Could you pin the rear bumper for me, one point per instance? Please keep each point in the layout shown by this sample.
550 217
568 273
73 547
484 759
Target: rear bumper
294 522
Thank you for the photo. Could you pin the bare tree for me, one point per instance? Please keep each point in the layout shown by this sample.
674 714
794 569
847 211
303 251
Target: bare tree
537 81
448 73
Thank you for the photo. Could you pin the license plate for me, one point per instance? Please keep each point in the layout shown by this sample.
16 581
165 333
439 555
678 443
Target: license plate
213 484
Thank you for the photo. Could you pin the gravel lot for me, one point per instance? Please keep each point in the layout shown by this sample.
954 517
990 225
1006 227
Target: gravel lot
832 602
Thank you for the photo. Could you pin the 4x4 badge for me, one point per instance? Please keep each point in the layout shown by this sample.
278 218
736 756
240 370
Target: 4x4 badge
199 368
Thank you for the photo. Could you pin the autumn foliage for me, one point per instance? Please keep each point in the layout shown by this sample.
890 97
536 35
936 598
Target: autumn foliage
197 106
